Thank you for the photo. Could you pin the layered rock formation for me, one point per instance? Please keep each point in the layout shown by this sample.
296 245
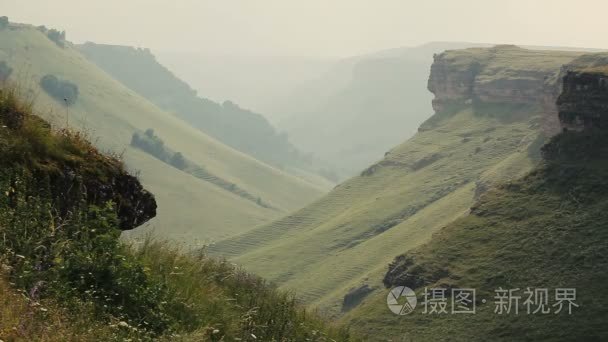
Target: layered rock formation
583 103
502 75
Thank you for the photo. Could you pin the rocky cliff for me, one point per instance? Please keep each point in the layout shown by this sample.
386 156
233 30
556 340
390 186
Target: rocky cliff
583 103
502 75
65 168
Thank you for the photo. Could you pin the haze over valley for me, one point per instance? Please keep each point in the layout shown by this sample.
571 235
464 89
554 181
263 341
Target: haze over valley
303 171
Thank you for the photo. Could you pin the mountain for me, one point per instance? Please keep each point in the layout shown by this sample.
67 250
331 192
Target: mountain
494 108
224 192
236 127
256 82
545 231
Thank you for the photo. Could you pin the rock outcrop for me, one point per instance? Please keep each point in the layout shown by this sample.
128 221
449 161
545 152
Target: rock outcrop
69 186
502 75
65 167
583 103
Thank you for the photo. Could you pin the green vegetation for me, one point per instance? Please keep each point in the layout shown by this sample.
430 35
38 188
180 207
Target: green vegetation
58 37
60 90
5 71
346 239
545 230
151 144
4 22
110 112
71 273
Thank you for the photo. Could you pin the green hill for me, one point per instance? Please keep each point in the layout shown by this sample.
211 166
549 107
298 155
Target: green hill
485 131
546 230
241 129
110 113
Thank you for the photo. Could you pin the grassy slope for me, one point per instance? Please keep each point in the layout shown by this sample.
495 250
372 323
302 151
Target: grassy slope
112 112
546 230
335 244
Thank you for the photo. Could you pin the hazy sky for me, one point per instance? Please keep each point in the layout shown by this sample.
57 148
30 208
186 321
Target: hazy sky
316 27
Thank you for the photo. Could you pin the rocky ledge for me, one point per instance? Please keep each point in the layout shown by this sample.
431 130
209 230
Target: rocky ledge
583 103
64 166
502 75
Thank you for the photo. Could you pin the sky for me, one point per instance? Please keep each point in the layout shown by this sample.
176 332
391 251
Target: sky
316 28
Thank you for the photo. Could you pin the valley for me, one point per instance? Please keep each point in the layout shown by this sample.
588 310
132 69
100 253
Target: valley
254 177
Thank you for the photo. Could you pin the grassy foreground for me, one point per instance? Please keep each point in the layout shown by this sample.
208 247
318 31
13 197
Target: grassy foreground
70 278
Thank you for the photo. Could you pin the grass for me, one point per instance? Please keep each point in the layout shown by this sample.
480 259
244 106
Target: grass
67 276
347 238
545 230
112 112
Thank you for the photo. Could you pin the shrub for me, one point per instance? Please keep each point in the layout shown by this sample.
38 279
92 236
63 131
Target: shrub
151 144
178 161
57 36
4 22
5 71
60 90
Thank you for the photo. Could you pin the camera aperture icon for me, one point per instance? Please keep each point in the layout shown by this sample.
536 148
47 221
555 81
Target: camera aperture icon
401 300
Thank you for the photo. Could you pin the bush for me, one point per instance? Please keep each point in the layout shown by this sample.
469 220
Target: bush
151 144
178 161
4 22
60 90
5 71
57 36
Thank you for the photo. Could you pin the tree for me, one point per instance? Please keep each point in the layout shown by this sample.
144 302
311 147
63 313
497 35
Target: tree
135 140
5 71
178 161
149 133
4 22
60 90
49 83
57 36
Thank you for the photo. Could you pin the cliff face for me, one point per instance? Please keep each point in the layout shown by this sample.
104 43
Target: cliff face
502 75
66 169
583 103
70 185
